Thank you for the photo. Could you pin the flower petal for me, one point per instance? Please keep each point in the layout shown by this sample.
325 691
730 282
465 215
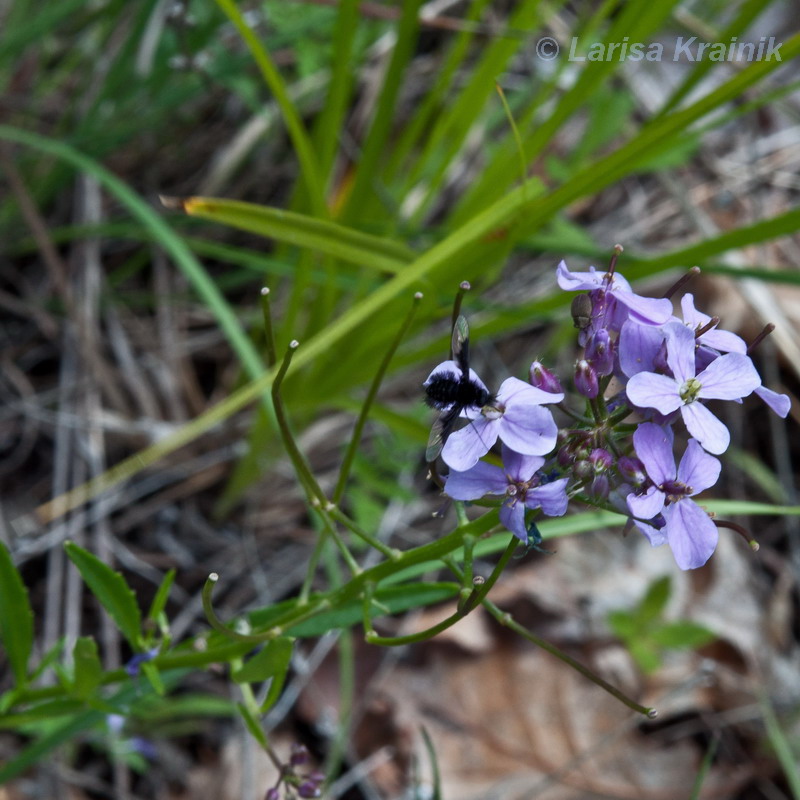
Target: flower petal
728 377
512 515
473 484
578 281
550 497
697 468
655 536
529 430
464 447
653 446
779 403
705 427
680 351
691 534
519 467
645 310
638 347
514 393
650 390
646 506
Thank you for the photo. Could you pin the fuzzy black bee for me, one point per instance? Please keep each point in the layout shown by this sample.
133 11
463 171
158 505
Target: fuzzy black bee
452 393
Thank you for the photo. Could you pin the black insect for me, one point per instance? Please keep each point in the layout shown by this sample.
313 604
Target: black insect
451 393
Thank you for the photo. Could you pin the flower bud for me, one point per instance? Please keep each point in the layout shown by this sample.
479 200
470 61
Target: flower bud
632 470
586 379
601 460
299 755
583 470
309 789
542 378
600 352
272 794
600 487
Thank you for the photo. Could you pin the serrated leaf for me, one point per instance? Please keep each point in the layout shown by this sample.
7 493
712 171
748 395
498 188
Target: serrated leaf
110 588
682 635
655 600
87 666
16 617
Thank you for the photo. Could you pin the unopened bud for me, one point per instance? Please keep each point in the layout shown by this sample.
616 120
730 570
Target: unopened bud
600 459
600 352
583 470
299 755
272 794
586 379
542 378
600 487
632 470
309 789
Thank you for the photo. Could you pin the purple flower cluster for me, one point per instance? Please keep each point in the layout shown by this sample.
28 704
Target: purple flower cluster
642 370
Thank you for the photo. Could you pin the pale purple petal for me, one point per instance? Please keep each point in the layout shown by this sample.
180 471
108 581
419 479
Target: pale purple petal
705 427
518 467
464 447
638 347
646 506
645 310
680 351
514 393
779 403
697 468
529 430
512 515
691 316
550 497
691 534
655 536
725 341
650 390
578 281
728 377
473 484
653 446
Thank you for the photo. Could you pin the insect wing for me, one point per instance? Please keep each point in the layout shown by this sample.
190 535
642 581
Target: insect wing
439 432
460 346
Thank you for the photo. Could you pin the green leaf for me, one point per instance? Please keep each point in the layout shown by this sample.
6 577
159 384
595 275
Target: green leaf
623 624
160 600
682 635
301 230
110 588
88 669
16 617
252 724
153 676
266 663
655 600
645 655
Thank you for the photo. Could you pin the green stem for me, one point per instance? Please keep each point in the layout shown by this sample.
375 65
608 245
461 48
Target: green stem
505 619
302 469
355 439
372 541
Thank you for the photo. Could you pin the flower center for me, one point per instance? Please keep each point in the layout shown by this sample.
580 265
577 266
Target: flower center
690 390
493 412
675 490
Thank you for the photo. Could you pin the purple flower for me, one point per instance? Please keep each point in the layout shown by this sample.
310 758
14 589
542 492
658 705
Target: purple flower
516 418
779 403
689 530
638 348
729 377
724 341
616 292
133 666
521 484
